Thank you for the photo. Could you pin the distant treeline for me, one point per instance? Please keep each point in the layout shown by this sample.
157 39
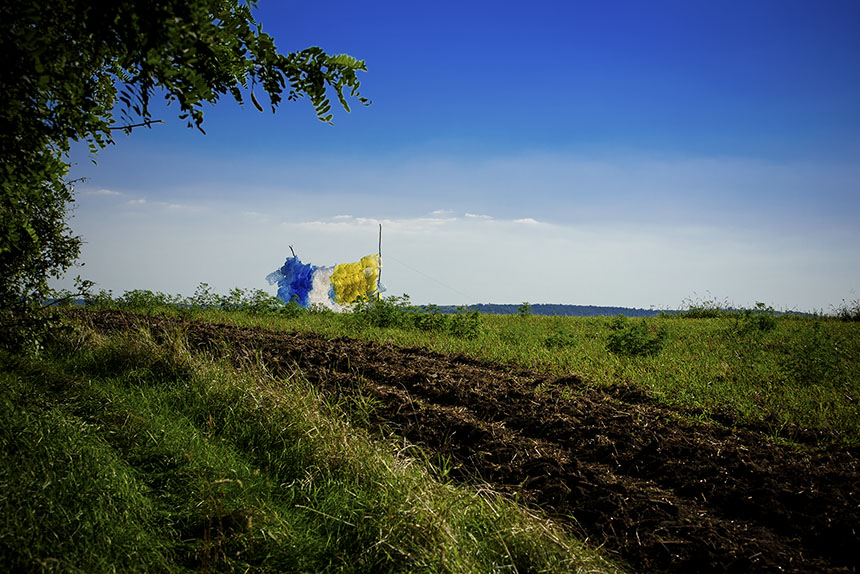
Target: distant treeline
556 309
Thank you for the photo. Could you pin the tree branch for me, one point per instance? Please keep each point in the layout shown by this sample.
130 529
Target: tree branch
144 123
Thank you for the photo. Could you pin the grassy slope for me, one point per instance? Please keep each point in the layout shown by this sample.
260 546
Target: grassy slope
802 372
123 454
127 454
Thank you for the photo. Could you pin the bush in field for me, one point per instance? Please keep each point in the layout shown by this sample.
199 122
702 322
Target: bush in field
559 339
385 312
466 324
388 312
237 299
257 300
254 301
233 301
634 338
146 300
203 298
101 300
704 309
816 358
292 310
429 318
399 312
759 319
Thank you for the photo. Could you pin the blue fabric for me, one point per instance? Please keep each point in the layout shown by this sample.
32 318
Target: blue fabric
295 281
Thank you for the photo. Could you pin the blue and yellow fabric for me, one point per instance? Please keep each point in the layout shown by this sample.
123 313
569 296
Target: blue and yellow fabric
333 287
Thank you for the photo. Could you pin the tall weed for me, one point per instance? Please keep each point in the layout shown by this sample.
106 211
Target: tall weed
704 309
849 311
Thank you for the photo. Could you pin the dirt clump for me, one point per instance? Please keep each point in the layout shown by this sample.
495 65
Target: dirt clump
618 468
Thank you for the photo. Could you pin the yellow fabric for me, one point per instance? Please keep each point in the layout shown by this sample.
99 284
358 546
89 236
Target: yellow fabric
354 281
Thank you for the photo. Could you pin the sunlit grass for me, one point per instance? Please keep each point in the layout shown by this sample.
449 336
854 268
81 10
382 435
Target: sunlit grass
124 453
804 372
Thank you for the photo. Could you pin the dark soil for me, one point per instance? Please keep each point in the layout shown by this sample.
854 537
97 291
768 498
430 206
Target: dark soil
625 472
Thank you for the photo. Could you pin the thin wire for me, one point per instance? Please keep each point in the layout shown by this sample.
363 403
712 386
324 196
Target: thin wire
454 289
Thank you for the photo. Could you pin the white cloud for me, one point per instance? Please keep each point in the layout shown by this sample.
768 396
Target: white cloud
469 260
636 232
102 192
179 206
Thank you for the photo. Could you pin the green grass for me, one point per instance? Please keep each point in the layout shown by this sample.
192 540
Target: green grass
802 372
782 371
124 454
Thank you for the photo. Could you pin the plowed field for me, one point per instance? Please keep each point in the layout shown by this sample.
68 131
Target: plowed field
618 468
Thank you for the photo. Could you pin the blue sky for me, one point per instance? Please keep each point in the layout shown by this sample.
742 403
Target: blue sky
604 153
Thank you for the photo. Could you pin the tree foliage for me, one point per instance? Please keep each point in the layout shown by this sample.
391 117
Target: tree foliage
76 70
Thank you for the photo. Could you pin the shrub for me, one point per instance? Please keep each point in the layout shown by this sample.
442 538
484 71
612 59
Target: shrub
291 310
258 301
384 312
704 309
101 300
233 301
203 297
399 313
559 339
253 301
146 300
635 338
815 358
430 319
466 324
760 318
